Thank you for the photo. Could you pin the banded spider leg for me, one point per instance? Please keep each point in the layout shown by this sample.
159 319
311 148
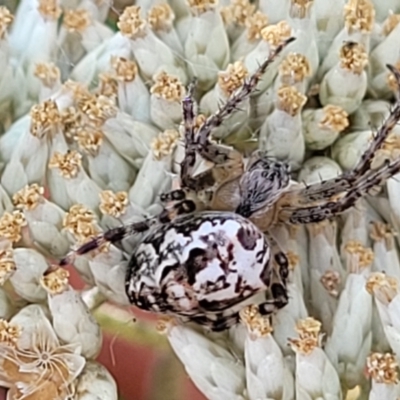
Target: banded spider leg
325 200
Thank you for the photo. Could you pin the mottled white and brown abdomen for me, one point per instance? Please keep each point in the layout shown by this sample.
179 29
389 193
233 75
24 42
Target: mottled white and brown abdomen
198 264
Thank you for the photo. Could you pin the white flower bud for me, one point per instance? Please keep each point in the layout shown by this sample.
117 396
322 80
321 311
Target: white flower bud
206 44
267 374
281 134
345 84
351 338
6 306
72 320
98 60
110 280
94 383
322 127
213 369
151 54
165 101
315 375
133 97
30 267
80 34
348 149
369 115
152 180
277 10
131 138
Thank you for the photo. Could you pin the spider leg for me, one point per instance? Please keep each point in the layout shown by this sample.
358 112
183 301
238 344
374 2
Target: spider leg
220 323
280 273
226 159
213 153
331 187
117 234
332 207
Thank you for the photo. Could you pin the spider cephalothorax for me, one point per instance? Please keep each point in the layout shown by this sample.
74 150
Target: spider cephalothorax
206 265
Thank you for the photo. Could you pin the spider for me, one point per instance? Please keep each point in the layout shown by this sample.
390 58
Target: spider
204 261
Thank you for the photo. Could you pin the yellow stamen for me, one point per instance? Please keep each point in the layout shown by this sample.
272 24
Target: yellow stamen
49 9
89 140
290 100
237 12
125 70
353 57
276 34
232 78
45 119
6 18
331 282
256 324
334 118
11 225
9 333
167 87
131 24
294 68
309 336
359 16
28 197
69 164
201 6
7 265
48 73
161 17
76 20
360 256
163 145
113 204
383 368
56 281
255 23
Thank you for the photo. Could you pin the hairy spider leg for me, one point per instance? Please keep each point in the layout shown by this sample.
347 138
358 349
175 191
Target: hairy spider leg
117 234
326 189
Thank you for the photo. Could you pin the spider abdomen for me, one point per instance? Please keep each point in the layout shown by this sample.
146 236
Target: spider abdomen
201 263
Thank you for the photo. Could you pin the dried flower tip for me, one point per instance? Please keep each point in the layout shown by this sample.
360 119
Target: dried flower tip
7 264
164 324
364 256
56 281
167 87
390 23
237 12
108 85
201 6
380 231
79 221
71 122
125 70
11 225
359 16
9 333
257 324
294 68
255 23
382 286
97 108
353 57
331 282
131 24
28 197
383 368
77 89
161 17
334 118
300 8
293 259
89 140
163 145
233 77
391 80
290 100
5 20
309 336
45 119
49 9
76 20
48 73
276 34
113 204
69 163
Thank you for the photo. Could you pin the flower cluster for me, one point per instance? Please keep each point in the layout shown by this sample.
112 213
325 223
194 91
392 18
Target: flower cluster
90 135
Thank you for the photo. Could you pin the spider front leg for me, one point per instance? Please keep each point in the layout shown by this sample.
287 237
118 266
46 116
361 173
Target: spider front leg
225 158
331 187
115 235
